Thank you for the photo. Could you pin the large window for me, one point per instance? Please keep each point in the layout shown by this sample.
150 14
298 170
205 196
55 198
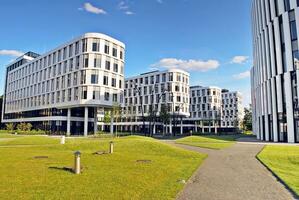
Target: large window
94 78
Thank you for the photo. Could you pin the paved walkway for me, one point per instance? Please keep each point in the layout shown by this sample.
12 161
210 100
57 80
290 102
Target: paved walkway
232 174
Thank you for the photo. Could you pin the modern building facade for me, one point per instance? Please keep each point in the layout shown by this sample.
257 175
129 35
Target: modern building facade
275 72
64 89
232 109
152 93
205 108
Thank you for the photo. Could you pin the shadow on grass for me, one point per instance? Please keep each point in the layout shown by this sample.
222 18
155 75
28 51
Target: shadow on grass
65 169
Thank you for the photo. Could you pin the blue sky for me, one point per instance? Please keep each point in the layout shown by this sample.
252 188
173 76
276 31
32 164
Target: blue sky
209 38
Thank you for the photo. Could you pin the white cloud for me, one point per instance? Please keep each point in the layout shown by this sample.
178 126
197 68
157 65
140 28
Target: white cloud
160 1
123 6
239 59
92 9
188 65
242 75
129 13
14 53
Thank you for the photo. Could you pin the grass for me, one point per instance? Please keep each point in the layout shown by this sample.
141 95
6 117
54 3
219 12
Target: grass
110 176
284 162
211 142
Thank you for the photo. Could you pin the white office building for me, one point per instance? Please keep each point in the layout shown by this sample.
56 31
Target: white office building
149 93
232 110
275 72
205 108
64 89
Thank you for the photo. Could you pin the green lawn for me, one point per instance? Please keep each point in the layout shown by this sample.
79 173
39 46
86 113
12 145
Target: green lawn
284 162
110 176
211 142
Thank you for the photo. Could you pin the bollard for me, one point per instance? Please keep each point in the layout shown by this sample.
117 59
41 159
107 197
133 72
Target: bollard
111 147
77 167
62 140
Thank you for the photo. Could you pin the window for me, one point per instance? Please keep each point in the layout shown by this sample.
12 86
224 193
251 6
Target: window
83 77
96 93
84 93
70 50
121 54
114 98
106 50
64 53
113 82
114 52
77 62
120 84
85 60
75 80
97 61
170 76
115 67
105 80
96 45
107 65
84 45
69 95
94 79
106 96
76 96
71 65
77 48
287 5
68 80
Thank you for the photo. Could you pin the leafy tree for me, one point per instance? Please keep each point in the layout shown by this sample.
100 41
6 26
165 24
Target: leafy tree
247 121
164 115
117 114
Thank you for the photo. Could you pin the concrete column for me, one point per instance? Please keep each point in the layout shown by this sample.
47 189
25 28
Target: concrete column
202 127
154 129
181 126
111 123
68 123
195 127
95 125
290 109
170 125
85 121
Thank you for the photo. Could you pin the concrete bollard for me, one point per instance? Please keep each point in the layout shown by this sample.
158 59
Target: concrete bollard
77 165
111 147
62 140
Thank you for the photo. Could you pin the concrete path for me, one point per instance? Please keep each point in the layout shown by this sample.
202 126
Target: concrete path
232 174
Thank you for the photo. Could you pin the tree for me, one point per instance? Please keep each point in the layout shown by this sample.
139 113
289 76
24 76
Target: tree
164 115
247 121
117 114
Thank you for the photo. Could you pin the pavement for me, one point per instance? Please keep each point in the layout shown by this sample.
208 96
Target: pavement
231 174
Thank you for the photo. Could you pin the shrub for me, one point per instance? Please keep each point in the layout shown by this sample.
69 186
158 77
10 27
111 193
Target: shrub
10 127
